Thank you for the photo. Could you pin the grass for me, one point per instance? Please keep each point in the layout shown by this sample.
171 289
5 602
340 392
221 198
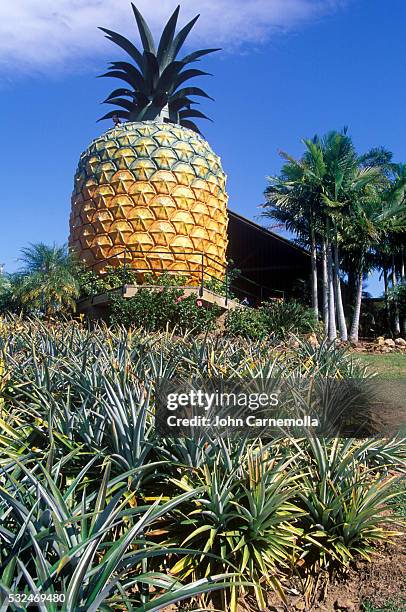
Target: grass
388 607
398 503
391 366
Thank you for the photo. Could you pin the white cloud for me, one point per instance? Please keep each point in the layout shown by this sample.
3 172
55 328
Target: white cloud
45 34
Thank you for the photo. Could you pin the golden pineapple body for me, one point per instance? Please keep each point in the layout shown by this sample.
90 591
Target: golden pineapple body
152 194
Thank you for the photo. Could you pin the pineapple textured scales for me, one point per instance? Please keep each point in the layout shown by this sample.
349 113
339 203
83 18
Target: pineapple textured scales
148 187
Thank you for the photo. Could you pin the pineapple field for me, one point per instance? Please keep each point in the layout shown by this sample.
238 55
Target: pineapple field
98 512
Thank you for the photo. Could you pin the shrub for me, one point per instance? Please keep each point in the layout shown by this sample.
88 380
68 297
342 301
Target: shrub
284 318
218 285
247 322
399 295
277 318
158 309
167 279
191 314
244 519
10 294
91 283
6 294
343 501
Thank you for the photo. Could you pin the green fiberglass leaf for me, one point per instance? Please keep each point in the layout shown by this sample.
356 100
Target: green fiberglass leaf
126 104
126 45
145 33
116 113
192 113
190 74
190 91
156 75
193 57
183 34
136 75
167 37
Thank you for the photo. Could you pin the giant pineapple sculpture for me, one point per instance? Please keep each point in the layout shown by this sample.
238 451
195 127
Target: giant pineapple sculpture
150 191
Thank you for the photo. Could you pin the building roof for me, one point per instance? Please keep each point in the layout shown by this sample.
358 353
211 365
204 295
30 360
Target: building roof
266 231
269 265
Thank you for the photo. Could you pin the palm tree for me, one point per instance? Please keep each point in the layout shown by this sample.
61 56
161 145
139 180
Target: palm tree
363 233
296 197
393 216
347 181
291 200
314 195
48 281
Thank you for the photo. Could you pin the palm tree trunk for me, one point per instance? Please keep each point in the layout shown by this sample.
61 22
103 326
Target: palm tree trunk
402 280
315 297
325 285
332 330
386 289
352 281
342 325
357 308
395 301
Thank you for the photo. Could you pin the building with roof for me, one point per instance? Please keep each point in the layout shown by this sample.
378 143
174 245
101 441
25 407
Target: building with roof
270 265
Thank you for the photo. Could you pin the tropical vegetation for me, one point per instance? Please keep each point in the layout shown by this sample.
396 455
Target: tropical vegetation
350 211
85 506
100 510
164 308
46 283
277 319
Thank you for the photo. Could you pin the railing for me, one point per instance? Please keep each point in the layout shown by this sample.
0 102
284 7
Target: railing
263 292
202 273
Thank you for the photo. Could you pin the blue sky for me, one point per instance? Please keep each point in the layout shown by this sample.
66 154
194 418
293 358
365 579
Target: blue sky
289 69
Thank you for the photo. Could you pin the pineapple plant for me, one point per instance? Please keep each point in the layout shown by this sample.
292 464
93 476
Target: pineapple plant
150 190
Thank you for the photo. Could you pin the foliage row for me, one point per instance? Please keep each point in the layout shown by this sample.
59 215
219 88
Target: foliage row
85 505
349 210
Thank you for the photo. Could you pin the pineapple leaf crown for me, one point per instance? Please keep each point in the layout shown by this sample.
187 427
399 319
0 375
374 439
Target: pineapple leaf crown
155 77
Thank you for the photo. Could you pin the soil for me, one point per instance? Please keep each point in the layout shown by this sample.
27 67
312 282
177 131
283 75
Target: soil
380 582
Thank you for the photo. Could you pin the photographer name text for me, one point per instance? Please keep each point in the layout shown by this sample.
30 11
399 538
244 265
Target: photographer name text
248 421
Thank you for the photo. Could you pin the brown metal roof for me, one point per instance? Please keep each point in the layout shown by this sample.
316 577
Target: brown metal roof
267 232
